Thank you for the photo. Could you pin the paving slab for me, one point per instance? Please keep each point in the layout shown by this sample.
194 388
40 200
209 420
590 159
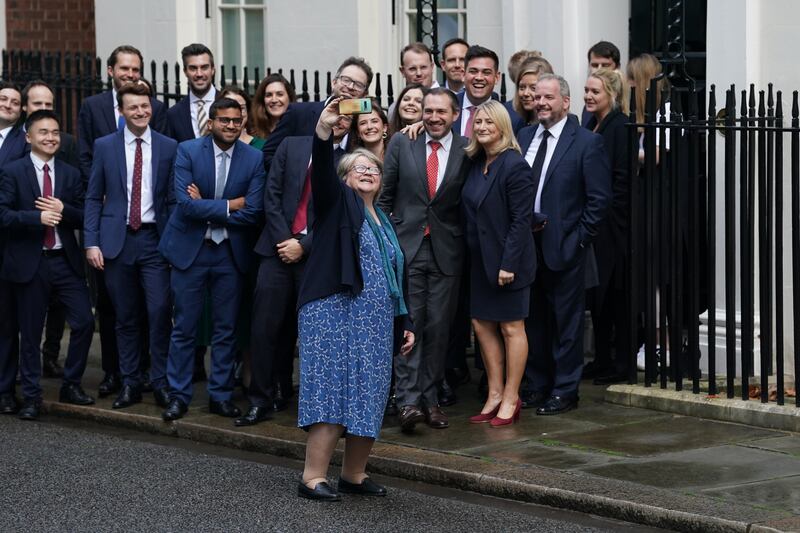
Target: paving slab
533 452
782 494
661 435
789 444
718 466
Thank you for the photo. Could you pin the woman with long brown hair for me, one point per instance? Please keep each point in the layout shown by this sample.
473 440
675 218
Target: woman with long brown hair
271 100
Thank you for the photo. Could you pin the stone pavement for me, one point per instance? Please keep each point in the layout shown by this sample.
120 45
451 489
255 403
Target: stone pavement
638 465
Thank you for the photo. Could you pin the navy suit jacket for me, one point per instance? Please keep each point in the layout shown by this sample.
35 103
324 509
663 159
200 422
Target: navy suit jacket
106 211
14 146
576 193
19 190
96 119
179 121
504 219
186 229
282 191
298 121
456 127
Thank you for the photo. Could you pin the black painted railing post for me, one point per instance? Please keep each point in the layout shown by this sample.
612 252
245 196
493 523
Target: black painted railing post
779 345
316 86
730 239
711 239
304 94
795 158
632 277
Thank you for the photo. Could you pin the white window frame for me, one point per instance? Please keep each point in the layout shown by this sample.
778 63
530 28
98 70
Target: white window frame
410 15
242 8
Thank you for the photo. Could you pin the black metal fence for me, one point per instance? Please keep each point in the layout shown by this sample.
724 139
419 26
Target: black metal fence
675 209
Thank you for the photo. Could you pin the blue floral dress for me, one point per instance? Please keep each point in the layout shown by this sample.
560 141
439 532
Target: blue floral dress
346 350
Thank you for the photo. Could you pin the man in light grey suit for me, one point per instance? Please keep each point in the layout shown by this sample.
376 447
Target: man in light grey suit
422 184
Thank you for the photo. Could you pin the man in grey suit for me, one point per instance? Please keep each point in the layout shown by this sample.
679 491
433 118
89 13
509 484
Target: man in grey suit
422 184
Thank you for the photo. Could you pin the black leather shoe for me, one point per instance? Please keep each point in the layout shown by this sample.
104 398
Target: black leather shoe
322 492
410 416
8 404
555 405
111 384
129 395
254 415
391 406
175 410
447 396
71 393
161 396
610 377
224 408
365 488
533 399
51 369
30 410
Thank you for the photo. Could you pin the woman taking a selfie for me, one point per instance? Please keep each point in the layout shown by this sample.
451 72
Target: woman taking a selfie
349 312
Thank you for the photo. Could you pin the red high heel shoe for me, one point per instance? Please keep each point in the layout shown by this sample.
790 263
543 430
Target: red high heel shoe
499 422
481 417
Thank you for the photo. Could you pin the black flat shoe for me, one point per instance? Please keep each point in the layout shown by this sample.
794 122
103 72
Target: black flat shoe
175 410
254 415
71 393
555 405
533 399
30 410
322 492
51 369
447 396
224 408
8 404
129 395
365 488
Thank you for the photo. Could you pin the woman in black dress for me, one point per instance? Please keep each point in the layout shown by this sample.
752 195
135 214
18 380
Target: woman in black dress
605 96
498 207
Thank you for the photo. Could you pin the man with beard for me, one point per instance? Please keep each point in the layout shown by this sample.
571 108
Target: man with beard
188 118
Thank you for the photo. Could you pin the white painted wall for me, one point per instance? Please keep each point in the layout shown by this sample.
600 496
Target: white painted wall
3 38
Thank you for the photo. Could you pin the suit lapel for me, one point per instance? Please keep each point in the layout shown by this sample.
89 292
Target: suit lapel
564 142
32 181
418 152
494 170
58 179
233 169
154 154
122 166
453 158
108 112
209 172
188 119
9 143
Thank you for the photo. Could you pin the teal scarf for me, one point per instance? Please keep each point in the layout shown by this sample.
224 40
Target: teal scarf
394 273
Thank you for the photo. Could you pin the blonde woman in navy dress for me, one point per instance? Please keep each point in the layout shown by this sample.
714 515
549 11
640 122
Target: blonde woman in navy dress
351 303
498 206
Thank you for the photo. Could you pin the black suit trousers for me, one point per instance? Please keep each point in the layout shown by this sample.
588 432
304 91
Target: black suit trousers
274 328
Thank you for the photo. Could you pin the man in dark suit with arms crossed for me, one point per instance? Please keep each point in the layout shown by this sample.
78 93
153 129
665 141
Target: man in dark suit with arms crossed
573 190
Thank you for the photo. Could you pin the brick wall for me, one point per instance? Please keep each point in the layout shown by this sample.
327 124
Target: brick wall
50 25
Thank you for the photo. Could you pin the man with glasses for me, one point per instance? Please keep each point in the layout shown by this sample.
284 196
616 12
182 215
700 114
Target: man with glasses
416 66
352 80
219 184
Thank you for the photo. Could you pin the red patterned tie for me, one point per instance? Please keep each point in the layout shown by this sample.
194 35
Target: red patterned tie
135 218
470 119
433 173
300 221
47 191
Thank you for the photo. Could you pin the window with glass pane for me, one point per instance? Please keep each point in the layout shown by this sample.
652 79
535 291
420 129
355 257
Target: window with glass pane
242 33
451 18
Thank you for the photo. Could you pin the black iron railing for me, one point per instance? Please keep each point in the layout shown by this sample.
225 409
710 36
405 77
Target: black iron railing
674 202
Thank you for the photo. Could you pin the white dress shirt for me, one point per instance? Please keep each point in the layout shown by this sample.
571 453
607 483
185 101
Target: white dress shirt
116 106
148 213
217 154
207 99
4 133
442 154
38 165
555 132
465 113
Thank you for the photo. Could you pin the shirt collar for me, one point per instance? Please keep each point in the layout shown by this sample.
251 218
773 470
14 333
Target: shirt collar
5 131
218 150
114 97
341 144
208 97
39 164
130 137
467 102
555 130
445 141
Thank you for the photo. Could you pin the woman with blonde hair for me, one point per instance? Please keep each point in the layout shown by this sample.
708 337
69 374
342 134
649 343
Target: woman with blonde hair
524 102
498 206
606 98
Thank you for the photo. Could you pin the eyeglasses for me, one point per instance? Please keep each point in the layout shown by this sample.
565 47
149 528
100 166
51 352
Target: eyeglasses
347 81
363 169
227 120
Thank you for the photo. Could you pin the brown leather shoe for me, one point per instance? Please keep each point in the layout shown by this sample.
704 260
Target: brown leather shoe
409 416
436 417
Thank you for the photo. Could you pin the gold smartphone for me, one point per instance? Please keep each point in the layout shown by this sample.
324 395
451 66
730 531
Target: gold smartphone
355 106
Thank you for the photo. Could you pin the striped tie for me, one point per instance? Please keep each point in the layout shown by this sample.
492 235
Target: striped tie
202 119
